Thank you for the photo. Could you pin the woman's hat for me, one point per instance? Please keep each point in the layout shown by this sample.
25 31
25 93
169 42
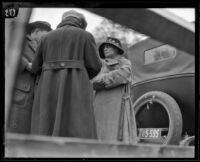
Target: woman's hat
113 42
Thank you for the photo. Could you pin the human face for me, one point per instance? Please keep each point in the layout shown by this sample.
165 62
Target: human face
38 34
41 33
110 51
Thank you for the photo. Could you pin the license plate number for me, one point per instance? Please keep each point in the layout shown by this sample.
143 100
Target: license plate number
153 133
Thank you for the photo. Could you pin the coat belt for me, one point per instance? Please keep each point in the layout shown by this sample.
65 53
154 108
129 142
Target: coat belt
63 64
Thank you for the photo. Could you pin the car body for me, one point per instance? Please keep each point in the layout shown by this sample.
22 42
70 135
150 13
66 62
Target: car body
162 68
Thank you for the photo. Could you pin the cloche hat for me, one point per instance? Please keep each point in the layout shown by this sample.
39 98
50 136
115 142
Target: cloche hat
113 42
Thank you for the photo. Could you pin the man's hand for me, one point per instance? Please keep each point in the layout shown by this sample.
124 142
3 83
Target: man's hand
29 66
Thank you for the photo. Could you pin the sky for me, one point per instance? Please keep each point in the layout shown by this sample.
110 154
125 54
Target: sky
53 15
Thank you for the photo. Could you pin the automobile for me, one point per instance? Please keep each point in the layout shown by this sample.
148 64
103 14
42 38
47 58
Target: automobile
20 145
163 93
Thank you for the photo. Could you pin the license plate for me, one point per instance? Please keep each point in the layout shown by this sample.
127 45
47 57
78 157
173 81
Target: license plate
150 133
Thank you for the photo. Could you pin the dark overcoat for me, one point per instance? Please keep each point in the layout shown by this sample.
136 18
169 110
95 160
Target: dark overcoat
20 112
67 58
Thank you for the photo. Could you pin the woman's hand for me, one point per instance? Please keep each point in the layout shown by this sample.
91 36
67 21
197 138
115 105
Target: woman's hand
99 85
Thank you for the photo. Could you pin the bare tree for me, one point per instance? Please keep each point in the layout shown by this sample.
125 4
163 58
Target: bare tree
127 36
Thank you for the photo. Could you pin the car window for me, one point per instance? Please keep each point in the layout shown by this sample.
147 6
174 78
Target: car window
161 53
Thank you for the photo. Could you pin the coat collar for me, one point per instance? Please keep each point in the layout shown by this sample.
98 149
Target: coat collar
111 62
28 37
68 22
31 43
114 61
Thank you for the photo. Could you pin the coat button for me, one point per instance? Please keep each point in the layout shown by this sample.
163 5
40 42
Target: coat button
62 64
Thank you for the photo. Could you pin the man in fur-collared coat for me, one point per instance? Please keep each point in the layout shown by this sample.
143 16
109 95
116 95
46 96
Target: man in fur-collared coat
20 113
67 59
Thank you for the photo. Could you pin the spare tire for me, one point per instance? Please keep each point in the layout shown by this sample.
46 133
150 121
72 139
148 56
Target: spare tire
172 109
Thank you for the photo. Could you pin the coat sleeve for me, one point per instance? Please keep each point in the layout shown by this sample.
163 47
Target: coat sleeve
24 60
91 57
38 60
23 64
114 78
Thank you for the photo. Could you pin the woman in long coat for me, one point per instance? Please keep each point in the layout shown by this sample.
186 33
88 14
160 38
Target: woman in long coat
114 114
67 59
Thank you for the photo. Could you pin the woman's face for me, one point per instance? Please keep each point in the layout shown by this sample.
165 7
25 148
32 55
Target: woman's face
110 51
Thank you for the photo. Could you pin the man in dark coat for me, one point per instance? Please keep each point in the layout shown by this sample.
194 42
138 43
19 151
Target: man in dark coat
67 59
20 113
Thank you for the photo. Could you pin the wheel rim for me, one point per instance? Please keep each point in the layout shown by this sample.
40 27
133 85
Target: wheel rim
143 104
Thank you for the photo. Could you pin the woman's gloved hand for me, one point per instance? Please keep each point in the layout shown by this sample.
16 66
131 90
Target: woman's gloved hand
98 85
